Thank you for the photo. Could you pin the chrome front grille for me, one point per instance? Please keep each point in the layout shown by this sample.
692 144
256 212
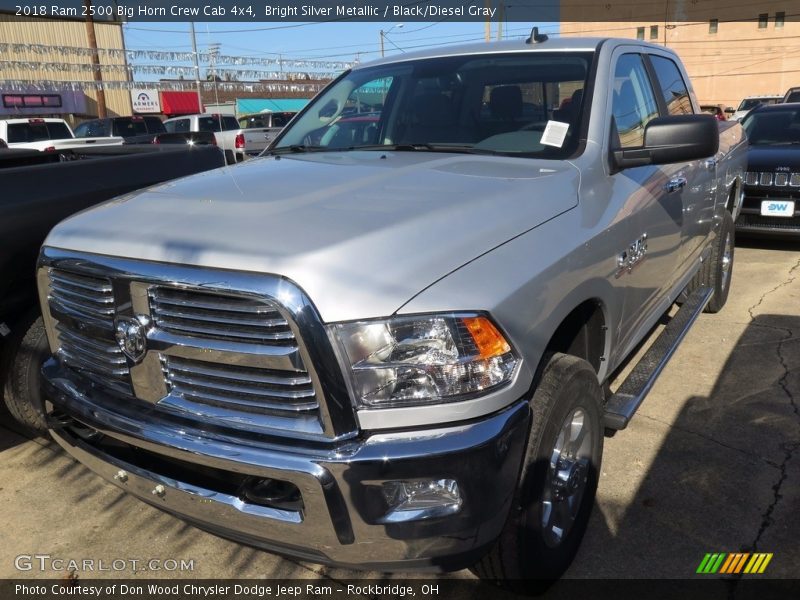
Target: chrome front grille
82 307
232 358
218 316
767 179
245 388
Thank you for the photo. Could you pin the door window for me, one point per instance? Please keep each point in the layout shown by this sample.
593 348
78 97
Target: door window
634 103
673 88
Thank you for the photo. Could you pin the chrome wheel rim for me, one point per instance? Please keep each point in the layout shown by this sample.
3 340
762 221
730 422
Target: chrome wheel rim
567 477
727 260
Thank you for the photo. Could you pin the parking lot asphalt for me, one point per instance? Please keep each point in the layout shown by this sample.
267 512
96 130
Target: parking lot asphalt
710 463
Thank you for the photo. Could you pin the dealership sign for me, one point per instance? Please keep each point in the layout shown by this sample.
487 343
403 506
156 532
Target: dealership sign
145 101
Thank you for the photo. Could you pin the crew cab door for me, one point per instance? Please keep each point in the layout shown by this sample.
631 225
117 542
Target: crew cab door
647 264
694 182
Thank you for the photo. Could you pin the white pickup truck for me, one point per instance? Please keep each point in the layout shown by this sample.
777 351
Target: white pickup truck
47 135
224 127
258 130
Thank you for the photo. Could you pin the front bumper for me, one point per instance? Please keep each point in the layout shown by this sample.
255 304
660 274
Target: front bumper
192 473
751 221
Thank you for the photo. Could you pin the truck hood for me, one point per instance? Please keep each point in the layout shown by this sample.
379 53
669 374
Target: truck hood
360 232
770 158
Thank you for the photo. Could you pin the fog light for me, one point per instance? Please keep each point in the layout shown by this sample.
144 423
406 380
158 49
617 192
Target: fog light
423 499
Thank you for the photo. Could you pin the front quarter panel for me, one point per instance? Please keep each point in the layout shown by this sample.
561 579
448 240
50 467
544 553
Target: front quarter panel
531 283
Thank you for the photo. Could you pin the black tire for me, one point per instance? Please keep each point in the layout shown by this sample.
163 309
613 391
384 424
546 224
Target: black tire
720 265
23 354
527 548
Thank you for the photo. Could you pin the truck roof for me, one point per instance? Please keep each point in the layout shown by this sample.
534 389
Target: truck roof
552 44
33 120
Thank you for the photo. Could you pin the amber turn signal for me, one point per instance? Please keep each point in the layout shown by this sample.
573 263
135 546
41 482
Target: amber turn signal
489 341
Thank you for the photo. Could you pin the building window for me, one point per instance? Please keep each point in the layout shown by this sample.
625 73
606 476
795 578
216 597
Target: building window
779 19
653 32
713 25
31 100
640 33
763 20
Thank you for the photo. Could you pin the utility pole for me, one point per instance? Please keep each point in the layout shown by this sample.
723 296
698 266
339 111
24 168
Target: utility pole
196 67
96 73
487 25
501 15
383 34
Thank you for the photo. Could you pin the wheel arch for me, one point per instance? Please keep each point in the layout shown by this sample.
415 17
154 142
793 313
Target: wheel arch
582 333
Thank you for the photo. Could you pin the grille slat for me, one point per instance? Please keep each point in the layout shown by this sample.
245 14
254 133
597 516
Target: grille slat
77 300
84 361
93 284
218 316
212 318
208 300
229 385
251 374
205 330
82 308
103 347
102 304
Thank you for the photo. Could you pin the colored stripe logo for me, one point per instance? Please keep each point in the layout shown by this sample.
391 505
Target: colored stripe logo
734 563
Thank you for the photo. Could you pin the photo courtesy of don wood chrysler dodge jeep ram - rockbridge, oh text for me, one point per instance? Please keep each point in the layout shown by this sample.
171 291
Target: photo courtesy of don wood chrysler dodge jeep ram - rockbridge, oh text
386 342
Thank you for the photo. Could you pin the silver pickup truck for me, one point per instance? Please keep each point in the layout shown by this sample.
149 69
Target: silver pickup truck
398 353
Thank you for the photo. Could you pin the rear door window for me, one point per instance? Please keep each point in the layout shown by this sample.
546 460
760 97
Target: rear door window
219 123
91 129
177 126
37 132
129 127
154 125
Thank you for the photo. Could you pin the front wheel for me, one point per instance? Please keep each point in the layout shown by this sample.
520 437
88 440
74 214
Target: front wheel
558 479
21 361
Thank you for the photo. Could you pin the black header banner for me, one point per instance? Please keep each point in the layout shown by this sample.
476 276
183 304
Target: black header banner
518 11
389 588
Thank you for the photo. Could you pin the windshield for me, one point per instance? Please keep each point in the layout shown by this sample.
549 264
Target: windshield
773 127
500 103
750 103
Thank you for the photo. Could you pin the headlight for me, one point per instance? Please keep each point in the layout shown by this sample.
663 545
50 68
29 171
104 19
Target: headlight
411 361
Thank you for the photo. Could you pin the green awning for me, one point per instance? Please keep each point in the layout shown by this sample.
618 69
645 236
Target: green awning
249 106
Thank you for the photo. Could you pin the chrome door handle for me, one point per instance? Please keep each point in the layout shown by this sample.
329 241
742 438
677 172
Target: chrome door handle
675 184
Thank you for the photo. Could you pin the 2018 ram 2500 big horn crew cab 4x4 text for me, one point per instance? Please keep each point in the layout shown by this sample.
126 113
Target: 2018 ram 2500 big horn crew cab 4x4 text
390 351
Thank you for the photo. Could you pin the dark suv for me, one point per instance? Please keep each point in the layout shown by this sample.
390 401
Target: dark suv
772 182
136 129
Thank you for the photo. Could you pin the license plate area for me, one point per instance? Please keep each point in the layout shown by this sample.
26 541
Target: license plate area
777 208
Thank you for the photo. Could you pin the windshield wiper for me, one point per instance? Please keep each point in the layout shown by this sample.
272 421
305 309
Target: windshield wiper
294 149
423 147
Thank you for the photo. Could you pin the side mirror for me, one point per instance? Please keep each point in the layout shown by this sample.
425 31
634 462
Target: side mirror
730 110
673 139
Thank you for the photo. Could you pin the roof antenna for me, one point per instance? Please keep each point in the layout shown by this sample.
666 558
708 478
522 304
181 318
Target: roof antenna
536 37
